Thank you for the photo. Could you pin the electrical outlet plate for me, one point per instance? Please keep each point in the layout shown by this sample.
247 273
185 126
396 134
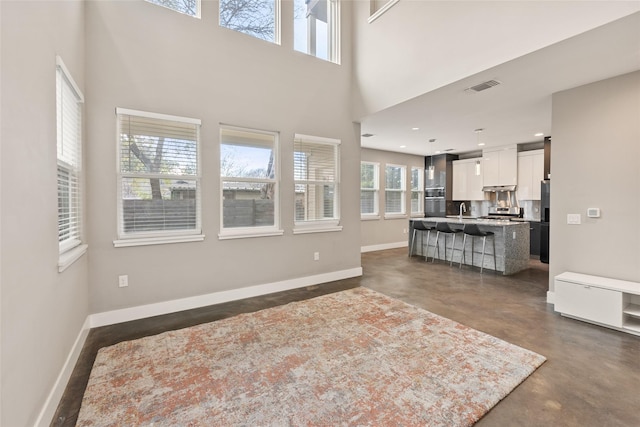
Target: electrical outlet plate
574 219
123 281
593 212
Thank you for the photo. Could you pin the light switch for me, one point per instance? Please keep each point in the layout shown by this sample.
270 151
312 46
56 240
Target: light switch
574 219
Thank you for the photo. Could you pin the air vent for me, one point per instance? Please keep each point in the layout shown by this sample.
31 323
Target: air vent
448 149
483 86
367 135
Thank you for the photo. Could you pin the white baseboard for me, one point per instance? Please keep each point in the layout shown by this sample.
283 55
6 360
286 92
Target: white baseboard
384 246
51 404
551 297
149 310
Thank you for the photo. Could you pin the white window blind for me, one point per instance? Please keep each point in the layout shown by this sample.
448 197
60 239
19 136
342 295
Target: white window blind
249 180
369 186
317 183
394 189
159 174
69 155
417 190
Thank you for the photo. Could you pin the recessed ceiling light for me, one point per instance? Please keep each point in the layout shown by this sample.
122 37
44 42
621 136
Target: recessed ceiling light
415 128
480 144
438 152
403 146
539 134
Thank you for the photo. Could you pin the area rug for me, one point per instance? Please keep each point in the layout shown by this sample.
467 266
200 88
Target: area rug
351 358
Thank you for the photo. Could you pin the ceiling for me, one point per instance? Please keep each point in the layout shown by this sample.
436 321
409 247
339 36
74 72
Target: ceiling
513 111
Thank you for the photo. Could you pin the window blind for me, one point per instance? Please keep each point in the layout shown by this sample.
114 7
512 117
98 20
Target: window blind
159 176
69 157
394 189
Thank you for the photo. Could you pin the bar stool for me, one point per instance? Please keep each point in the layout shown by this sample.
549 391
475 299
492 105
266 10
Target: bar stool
421 227
473 231
443 227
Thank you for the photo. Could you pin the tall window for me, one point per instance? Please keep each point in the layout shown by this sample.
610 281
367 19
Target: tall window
257 18
316 175
317 28
369 186
188 7
69 101
159 177
249 181
394 190
417 190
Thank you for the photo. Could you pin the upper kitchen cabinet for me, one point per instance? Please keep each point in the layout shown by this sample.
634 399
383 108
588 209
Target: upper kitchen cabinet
500 166
530 173
467 179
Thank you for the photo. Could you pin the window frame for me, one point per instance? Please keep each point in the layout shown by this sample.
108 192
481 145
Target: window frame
419 191
378 12
142 238
72 248
277 18
375 190
334 43
258 231
319 225
402 191
197 13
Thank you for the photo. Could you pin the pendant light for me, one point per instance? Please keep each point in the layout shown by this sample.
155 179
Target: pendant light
478 165
431 171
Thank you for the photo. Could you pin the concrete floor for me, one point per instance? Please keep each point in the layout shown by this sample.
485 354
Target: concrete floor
591 377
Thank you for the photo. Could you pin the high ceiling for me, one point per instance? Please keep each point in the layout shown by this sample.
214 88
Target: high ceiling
516 109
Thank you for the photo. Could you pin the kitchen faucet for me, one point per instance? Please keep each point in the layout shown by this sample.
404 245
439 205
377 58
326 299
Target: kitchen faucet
463 208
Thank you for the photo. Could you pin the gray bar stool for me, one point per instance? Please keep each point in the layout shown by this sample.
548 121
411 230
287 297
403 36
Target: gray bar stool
443 227
421 227
473 231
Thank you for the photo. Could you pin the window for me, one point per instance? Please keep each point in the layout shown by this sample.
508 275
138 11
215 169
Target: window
317 28
249 181
417 191
369 185
394 190
158 179
257 18
378 7
69 101
317 184
188 7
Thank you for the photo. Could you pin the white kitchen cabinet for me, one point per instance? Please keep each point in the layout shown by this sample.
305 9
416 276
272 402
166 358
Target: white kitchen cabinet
601 300
467 184
530 173
500 166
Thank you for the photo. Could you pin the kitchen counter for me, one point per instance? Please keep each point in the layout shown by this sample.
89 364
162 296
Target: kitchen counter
511 239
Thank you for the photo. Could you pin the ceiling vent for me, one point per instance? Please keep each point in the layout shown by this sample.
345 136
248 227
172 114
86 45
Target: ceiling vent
367 135
483 86
446 150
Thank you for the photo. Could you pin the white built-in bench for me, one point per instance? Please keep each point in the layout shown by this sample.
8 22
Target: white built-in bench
604 301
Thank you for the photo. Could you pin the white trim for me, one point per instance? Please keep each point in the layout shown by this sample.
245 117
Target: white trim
384 246
60 64
69 257
145 241
378 13
316 229
315 139
395 216
150 310
159 116
245 235
369 217
551 297
45 417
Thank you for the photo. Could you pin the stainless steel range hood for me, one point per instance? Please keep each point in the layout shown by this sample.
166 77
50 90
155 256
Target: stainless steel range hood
499 188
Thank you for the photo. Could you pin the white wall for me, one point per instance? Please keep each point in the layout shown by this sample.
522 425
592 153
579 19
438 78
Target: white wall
595 158
42 310
146 57
391 231
419 46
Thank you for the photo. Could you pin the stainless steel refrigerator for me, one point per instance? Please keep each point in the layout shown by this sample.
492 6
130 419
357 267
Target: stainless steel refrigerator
545 187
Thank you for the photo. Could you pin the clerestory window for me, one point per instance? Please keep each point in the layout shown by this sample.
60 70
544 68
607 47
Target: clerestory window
257 18
317 28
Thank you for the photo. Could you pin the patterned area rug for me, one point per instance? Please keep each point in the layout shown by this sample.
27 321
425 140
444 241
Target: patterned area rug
351 358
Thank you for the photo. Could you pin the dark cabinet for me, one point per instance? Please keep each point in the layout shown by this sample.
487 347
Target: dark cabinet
438 186
534 238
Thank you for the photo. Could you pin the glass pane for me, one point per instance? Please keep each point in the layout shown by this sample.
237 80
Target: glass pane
367 176
245 161
416 201
368 202
158 204
315 202
248 204
393 202
253 17
393 177
188 7
415 178
311 27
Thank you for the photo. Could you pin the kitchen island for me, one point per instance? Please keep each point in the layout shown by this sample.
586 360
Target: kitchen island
511 239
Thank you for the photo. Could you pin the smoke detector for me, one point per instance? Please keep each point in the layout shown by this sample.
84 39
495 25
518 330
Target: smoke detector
483 86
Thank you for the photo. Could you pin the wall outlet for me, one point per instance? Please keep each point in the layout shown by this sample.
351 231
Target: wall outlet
404 231
316 256
123 281
574 219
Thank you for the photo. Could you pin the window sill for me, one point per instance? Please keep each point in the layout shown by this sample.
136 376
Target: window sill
317 229
395 216
144 241
69 257
369 217
417 215
249 234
